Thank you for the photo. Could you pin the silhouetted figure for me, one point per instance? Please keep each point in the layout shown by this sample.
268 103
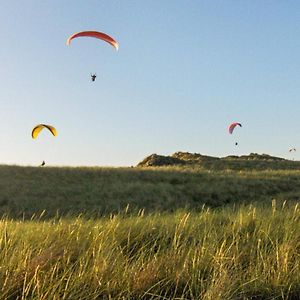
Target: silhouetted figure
93 77
43 163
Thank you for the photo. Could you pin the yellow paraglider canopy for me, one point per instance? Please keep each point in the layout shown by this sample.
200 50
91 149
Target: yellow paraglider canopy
37 129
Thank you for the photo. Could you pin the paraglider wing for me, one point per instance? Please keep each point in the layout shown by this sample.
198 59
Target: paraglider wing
232 126
37 129
95 34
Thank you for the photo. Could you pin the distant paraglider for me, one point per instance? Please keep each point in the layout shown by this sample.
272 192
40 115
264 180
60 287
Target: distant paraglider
291 150
93 77
94 34
232 127
38 128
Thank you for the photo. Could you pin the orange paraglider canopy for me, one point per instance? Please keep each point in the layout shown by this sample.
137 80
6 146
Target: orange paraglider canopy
95 34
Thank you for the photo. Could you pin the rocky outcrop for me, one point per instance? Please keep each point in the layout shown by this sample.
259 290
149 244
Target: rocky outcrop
159 160
251 161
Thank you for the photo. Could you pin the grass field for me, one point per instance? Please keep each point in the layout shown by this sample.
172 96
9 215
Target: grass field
247 253
25 191
155 233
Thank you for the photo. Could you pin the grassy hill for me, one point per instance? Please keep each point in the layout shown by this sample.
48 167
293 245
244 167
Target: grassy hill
253 161
170 231
212 182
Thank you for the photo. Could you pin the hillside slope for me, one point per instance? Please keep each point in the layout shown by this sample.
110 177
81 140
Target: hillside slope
25 191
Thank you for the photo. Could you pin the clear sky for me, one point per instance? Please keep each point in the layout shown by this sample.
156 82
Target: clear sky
185 70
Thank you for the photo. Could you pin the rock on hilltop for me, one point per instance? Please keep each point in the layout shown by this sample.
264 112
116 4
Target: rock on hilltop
251 161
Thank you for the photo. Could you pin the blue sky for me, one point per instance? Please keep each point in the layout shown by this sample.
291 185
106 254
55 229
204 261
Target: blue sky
184 71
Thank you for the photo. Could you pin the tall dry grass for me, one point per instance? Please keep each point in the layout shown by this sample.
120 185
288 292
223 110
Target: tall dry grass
250 252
